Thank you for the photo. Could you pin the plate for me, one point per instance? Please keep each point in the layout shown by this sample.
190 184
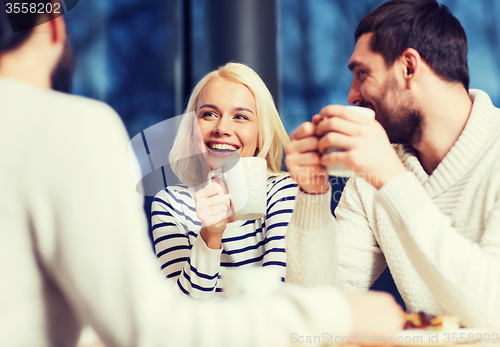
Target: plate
422 337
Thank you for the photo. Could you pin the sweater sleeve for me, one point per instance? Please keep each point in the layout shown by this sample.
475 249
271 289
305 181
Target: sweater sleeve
310 241
195 267
464 276
280 204
360 259
322 250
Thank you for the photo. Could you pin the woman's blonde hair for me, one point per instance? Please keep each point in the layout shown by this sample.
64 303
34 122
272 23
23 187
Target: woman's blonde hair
272 133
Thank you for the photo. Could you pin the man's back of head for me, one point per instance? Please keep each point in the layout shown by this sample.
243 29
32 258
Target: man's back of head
33 45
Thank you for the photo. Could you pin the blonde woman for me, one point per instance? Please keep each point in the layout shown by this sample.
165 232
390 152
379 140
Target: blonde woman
193 232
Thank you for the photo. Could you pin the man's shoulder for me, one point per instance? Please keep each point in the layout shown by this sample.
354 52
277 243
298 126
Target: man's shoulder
24 95
47 109
74 107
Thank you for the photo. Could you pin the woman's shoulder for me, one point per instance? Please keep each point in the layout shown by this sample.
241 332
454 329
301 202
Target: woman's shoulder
174 194
282 184
177 200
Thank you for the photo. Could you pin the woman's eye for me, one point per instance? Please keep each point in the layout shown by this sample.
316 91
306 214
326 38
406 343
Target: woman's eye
241 117
209 115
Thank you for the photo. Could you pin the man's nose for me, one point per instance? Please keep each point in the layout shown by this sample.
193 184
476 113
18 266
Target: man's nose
354 97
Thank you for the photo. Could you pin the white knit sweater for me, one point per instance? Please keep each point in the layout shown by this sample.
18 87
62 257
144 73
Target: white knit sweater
74 248
439 234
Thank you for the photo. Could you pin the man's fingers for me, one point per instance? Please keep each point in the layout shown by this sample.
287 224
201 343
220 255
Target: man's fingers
303 145
304 130
316 119
303 159
337 140
332 158
316 175
337 124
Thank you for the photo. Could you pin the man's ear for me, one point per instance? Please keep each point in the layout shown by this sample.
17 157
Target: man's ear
58 27
411 63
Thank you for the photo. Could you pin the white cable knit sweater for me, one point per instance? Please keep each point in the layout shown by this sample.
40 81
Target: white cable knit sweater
439 234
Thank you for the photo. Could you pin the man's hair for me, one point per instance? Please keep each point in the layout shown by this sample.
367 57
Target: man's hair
424 25
26 21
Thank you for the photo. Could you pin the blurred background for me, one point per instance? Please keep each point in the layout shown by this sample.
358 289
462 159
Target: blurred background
143 56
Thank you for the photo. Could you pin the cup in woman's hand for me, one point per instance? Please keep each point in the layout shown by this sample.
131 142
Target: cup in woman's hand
245 180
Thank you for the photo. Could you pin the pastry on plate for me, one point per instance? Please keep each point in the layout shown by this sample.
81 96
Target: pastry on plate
426 321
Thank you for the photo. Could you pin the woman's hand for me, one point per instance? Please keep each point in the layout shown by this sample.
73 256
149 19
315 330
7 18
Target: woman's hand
212 207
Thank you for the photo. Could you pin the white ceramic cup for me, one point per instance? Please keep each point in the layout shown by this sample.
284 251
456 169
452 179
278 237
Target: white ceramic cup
339 169
245 179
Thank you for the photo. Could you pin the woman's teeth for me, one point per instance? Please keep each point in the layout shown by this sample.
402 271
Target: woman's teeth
223 147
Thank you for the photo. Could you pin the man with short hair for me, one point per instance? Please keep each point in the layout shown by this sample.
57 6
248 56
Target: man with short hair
73 237
431 213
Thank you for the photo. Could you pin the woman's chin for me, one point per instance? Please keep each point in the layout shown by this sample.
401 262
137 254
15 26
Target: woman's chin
219 158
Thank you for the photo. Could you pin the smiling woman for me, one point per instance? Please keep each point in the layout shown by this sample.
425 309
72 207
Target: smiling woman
232 115
227 119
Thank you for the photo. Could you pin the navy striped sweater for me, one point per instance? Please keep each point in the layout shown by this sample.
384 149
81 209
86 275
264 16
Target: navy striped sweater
185 257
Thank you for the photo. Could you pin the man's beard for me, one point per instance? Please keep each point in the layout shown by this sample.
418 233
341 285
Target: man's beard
403 123
403 126
62 74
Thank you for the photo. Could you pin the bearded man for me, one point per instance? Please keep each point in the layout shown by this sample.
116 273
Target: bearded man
74 249
431 213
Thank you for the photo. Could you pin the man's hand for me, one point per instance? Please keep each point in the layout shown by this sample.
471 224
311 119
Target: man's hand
367 148
375 314
212 207
303 160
